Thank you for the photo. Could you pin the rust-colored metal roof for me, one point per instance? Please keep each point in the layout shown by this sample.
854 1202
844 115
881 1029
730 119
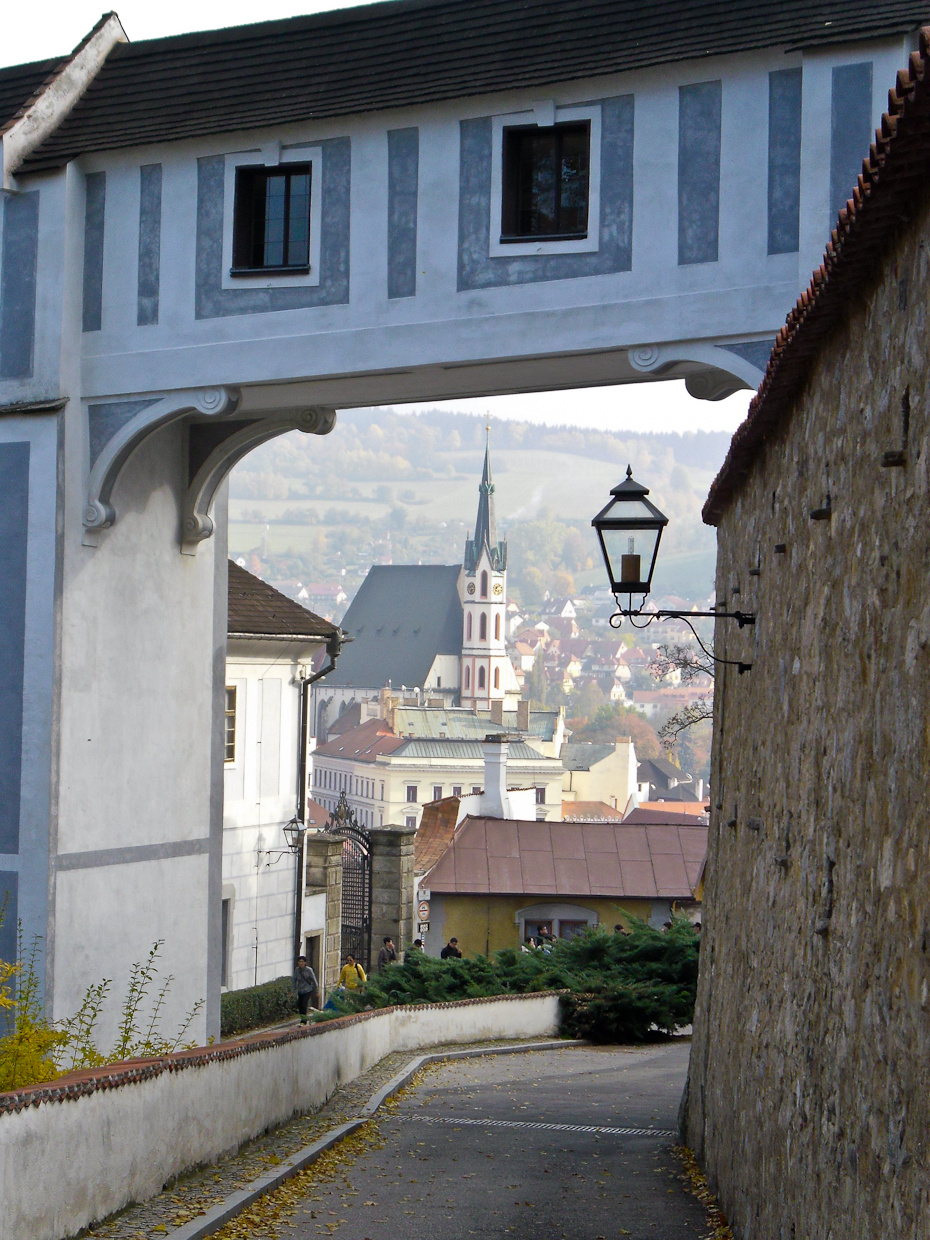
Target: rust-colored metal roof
494 856
892 188
258 609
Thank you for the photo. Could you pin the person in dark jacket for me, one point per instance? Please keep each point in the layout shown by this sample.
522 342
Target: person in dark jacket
451 951
387 955
305 986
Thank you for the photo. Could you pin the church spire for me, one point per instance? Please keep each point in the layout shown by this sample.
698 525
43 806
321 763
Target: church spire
486 522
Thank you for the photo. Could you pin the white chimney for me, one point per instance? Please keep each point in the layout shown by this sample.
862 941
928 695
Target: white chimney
494 803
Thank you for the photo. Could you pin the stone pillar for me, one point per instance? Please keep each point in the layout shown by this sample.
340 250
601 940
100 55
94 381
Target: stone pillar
392 887
323 874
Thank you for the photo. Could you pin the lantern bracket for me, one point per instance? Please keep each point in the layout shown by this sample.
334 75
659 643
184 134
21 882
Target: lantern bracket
635 614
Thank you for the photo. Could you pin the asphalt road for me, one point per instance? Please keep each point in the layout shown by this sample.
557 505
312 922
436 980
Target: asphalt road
497 1147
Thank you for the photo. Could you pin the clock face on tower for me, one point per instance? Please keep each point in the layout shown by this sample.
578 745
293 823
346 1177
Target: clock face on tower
471 587
498 587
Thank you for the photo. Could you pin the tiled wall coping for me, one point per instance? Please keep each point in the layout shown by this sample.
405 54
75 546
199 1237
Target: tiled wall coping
131 1071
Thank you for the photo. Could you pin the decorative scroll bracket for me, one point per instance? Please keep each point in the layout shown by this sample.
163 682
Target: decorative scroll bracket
213 450
121 427
726 370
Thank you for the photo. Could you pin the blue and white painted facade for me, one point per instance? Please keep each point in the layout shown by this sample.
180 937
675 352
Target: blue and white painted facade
135 370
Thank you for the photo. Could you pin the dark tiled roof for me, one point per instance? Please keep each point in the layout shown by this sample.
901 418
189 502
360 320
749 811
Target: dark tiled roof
19 84
498 856
390 55
892 189
401 618
256 608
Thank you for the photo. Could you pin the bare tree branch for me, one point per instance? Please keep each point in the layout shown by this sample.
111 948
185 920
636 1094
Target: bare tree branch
695 712
685 659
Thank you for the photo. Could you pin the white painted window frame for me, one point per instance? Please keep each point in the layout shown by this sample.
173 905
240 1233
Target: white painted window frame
272 156
545 115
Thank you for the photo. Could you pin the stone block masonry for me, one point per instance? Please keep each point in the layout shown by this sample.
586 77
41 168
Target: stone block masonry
82 1147
809 1100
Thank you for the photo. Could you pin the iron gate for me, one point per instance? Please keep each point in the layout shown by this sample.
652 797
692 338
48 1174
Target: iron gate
356 882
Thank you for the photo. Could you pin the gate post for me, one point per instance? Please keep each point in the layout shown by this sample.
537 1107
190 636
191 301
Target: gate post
392 886
324 877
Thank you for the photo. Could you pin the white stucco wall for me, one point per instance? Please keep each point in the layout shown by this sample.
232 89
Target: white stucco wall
64 1165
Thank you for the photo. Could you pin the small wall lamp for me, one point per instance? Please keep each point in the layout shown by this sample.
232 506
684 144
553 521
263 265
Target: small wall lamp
630 529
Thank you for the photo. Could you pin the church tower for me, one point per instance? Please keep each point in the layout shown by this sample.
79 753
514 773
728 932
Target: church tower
487 674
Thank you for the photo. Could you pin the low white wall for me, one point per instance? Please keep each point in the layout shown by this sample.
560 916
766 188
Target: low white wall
76 1150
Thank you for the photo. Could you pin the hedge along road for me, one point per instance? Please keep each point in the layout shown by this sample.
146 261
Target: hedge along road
519 1147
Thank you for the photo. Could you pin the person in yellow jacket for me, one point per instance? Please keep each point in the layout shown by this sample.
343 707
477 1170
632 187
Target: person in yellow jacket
352 975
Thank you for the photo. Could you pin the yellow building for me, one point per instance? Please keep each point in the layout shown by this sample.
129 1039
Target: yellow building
497 882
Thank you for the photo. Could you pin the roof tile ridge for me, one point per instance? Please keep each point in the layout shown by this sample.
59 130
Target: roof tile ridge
903 98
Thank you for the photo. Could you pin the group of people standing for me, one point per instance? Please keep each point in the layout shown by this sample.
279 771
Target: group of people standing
352 975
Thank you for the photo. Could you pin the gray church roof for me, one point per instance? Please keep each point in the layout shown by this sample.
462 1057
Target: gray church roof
402 617
409 52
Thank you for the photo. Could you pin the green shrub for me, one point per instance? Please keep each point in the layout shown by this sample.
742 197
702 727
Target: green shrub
255 1006
620 987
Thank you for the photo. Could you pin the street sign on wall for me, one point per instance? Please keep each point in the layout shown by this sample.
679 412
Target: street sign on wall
423 910
422 927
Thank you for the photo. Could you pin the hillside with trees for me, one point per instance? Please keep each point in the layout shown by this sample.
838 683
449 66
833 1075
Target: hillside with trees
389 487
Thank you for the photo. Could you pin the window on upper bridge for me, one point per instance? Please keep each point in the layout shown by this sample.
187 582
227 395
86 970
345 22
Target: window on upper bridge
545 182
271 224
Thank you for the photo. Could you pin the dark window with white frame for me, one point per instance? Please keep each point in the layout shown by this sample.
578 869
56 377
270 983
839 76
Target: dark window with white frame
230 723
412 793
437 792
545 184
271 222
540 796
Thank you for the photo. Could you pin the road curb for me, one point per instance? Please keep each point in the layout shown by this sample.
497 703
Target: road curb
216 1217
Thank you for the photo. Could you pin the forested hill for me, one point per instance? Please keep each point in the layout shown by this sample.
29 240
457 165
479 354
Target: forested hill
391 486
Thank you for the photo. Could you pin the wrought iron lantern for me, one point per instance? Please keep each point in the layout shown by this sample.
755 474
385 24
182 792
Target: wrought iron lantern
629 529
293 834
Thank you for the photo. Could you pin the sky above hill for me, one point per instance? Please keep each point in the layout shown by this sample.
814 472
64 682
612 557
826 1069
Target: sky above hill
48 28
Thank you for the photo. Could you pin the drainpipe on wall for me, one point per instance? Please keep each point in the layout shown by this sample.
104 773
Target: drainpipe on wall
333 649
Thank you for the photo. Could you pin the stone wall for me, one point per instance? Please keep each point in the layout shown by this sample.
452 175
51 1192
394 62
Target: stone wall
809 1100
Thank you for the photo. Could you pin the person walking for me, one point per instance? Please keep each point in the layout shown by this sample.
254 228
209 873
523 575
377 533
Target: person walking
451 950
305 986
415 948
352 975
387 955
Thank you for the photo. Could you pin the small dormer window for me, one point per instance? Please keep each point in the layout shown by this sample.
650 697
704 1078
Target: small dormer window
271 231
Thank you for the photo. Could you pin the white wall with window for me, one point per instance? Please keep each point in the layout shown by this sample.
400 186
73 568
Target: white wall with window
262 771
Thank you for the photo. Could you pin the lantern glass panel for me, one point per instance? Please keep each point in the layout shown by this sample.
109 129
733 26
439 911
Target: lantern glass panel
623 509
630 555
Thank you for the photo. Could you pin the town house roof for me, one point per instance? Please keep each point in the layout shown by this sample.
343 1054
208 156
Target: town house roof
496 856
257 609
406 52
890 191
